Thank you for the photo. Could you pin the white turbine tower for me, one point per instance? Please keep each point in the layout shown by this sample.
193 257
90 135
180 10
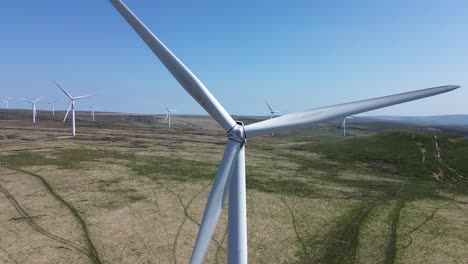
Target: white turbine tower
230 178
71 106
168 115
53 106
93 109
272 112
33 104
344 124
6 101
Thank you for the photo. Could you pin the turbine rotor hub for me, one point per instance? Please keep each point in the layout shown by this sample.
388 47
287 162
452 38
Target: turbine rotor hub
237 133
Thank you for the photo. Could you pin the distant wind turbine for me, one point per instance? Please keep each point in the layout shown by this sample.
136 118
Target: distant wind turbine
344 124
272 112
230 178
53 106
92 112
168 115
6 100
71 106
33 103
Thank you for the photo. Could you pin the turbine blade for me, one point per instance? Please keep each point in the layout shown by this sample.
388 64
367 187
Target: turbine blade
167 115
215 203
180 72
68 110
83 96
309 117
27 100
271 110
37 100
64 91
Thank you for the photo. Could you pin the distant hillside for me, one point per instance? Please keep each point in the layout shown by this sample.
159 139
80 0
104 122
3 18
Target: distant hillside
406 153
443 120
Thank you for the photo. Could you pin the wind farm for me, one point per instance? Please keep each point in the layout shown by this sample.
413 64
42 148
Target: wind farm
131 186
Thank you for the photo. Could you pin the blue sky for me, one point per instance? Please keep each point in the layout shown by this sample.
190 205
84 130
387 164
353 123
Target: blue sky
296 54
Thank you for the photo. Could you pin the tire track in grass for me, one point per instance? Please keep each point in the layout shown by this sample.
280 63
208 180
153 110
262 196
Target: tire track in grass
391 249
342 242
91 249
159 209
220 246
25 216
426 220
186 215
294 223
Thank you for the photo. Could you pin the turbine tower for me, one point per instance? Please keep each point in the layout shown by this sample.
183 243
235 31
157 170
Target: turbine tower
230 178
33 103
71 106
272 112
344 124
6 101
168 116
92 112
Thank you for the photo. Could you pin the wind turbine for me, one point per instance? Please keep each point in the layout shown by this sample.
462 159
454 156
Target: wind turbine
33 103
53 106
230 178
344 124
6 100
92 112
168 115
272 112
71 106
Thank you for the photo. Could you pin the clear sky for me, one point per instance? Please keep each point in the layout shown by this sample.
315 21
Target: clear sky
296 54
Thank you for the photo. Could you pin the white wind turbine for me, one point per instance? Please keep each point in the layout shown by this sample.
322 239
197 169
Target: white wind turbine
93 109
6 101
53 106
33 104
71 106
272 112
344 124
230 178
168 115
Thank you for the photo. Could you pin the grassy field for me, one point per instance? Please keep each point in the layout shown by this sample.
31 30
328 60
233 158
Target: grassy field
129 190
